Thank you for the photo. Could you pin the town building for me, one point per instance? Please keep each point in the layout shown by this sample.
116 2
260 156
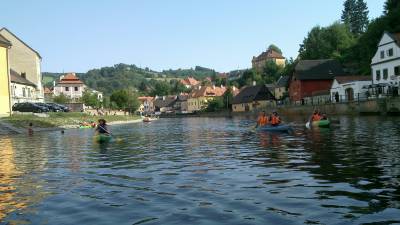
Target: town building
350 88
258 62
385 64
181 103
281 88
190 82
313 77
164 104
22 90
253 98
26 61
146 105
48 94
5 98
202 95
71 86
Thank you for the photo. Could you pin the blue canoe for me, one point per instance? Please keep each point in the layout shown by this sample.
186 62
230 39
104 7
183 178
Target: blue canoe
279 128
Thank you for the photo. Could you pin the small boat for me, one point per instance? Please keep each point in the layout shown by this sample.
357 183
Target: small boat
279 128
321 123
147 119
102 138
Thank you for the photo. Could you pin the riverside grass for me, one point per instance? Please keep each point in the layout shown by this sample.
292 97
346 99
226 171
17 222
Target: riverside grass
61 119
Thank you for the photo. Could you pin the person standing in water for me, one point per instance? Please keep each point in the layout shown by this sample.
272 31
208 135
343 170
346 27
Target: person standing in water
30 129
102 127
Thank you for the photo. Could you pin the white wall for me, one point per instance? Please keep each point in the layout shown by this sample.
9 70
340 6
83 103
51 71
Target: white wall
17 93
388 62
71 93
357 89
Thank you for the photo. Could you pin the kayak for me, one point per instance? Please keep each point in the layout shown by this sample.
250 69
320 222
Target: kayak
321 123
279 128
102 138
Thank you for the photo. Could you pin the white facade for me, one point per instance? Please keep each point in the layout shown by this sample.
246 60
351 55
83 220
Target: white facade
349 91
73 91
23 93
385 64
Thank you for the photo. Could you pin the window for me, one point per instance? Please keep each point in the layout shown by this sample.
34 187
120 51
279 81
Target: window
378 75
29 93
66 88
76 88
390 52
397 70
382 54
385 74
23 92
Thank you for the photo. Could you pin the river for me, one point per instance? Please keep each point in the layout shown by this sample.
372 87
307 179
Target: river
205 171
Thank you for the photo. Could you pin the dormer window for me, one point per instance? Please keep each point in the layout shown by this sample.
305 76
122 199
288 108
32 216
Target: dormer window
382 54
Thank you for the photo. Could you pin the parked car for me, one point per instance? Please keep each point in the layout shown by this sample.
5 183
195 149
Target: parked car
29 107
63 107
52 107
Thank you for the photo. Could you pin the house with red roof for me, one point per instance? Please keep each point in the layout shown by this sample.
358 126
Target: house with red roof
202 95
72 87
190 82
146 104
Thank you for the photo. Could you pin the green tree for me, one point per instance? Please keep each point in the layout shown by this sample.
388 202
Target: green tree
271 72
275 48
120 98
391 6
90 99
160 89
215 105
61 99
327 42
228 98
355 16
248 77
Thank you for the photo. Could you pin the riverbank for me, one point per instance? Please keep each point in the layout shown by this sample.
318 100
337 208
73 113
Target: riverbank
17 123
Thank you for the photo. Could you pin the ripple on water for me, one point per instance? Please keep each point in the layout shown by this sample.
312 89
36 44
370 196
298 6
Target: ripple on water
204 171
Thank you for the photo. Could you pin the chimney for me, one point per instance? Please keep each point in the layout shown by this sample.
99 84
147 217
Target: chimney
54 83
23 75
199 87
213 87
254 83
233 88
163 98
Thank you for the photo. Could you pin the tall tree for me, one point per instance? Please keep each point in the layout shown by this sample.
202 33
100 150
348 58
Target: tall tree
355 16
327 42
391 5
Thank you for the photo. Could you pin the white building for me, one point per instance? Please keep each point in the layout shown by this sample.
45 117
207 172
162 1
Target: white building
22 90
385 64
25 61
71 86
350 88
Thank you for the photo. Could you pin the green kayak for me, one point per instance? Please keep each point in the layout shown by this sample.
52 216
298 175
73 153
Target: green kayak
102 138
321 123
85 127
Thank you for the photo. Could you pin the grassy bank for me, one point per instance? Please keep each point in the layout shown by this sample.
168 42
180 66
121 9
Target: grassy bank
60 119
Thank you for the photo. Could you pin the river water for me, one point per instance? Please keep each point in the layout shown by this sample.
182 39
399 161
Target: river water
205 171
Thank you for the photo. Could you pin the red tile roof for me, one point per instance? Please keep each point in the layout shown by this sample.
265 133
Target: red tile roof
190 81
208 91
145 98
70 78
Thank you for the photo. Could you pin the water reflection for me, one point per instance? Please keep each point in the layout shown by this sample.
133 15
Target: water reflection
205 171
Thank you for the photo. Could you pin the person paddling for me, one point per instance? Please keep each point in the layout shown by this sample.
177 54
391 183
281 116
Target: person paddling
102 127
262 119
275 119
316 116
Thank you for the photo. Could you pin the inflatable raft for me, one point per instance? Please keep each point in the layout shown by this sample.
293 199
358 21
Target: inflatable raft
321 123
279 128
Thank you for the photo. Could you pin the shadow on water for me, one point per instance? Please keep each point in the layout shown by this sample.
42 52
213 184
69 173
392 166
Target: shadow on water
205 171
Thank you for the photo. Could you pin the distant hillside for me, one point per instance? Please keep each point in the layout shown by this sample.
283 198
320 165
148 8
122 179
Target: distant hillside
124 76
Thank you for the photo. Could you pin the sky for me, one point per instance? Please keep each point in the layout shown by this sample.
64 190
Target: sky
79 35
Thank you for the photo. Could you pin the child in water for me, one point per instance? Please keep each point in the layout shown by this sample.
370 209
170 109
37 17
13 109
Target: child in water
30 129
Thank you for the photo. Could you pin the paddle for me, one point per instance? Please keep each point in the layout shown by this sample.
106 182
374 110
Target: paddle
116 139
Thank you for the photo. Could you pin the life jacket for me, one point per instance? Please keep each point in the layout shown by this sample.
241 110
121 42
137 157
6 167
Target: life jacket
316 117
262 120
275 120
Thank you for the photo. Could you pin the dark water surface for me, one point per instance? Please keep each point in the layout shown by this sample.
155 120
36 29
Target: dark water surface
205 171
